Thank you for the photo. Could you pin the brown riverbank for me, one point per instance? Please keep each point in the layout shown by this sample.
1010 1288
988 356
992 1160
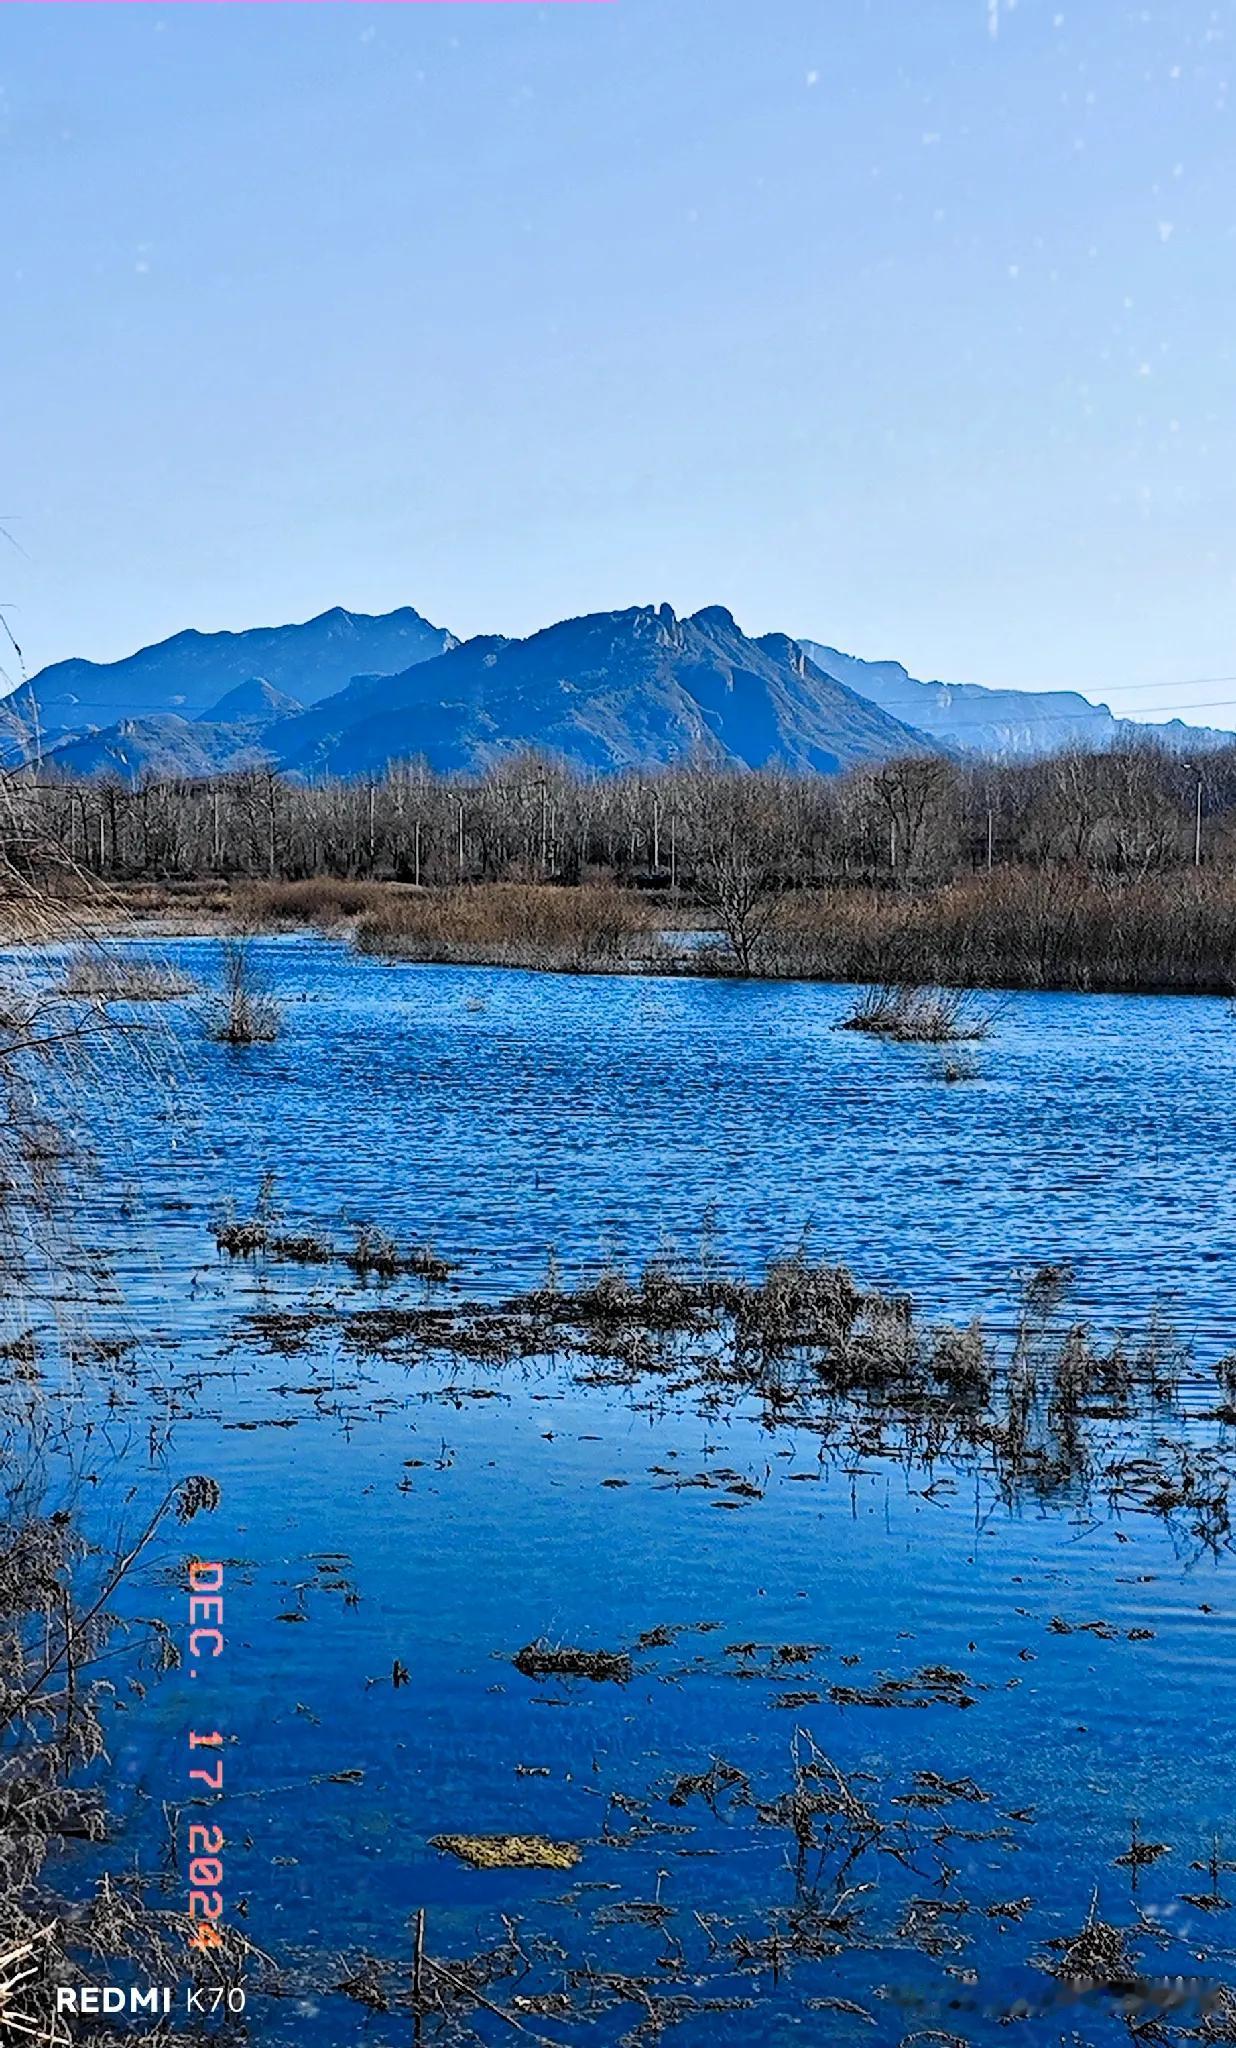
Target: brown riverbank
1010 929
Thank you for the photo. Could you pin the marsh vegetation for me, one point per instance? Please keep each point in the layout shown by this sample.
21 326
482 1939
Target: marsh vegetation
245 1013
1112 870
557 1572
867 1875
595 930
918 1016
62 1572
1045 1411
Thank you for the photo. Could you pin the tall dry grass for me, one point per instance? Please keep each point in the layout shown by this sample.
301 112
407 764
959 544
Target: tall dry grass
1027 928
1019 928
584 930
59 1578
244 1012
918 1016
1013 928
318 899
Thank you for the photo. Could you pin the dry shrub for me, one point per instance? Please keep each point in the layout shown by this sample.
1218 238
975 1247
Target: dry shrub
319 899
245 1013
596 929
917 1016
1020 928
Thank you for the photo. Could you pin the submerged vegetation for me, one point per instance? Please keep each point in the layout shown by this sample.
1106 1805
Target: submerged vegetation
1047 1412
714 1884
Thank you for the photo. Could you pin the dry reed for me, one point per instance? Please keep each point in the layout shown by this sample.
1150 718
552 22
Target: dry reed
589 930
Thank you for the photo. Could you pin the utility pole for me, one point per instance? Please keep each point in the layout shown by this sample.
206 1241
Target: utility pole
416 842
656 835
1197 835
459 801
991 834
544 830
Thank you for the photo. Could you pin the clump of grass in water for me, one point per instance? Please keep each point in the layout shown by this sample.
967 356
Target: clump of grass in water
918 1016
246 1013
245 1237
96 976
961 1066
374 1253
1097 1958
544 1660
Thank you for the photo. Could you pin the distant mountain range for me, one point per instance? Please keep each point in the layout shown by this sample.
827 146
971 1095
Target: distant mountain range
346 693
615 690
1000 722
189 673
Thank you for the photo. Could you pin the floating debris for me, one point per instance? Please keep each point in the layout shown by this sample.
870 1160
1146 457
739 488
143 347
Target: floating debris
509 1852
543 1660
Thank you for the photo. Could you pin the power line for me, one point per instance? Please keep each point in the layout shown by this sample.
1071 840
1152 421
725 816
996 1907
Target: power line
1165 683
1096 710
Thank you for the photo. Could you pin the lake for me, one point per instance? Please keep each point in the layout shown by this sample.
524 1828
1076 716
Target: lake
1014 1689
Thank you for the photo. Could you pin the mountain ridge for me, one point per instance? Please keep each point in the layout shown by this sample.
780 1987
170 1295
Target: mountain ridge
190 671
345 693
1002 722
609 690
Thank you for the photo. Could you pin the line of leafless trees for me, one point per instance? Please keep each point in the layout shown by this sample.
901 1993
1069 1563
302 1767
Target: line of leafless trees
1124 814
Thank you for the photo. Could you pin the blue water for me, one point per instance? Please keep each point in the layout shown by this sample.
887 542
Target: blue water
497 1115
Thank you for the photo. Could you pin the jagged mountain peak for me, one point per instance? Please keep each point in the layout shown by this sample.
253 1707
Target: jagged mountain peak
635 688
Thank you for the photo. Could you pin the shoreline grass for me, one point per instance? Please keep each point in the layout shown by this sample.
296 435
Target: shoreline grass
97 975
1011 929
592 930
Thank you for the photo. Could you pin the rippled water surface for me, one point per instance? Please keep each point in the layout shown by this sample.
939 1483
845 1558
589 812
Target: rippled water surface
496 1115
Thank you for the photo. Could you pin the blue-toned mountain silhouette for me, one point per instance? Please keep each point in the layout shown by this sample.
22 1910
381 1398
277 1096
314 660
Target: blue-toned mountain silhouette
614 690
192 671
1006 723
346 693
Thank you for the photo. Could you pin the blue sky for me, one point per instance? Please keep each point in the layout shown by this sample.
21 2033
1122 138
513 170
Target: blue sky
904 324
